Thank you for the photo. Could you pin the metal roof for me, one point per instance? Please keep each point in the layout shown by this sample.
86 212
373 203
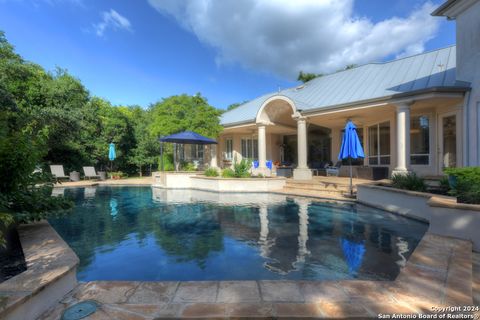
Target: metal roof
430 70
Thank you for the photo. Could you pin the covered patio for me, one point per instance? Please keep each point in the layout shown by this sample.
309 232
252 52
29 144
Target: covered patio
410 122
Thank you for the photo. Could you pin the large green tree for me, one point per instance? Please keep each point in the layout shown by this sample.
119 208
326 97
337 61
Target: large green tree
184 112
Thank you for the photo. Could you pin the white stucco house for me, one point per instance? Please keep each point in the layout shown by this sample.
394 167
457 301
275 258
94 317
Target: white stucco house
420 113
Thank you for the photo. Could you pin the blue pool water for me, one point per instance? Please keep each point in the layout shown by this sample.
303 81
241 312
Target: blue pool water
140 233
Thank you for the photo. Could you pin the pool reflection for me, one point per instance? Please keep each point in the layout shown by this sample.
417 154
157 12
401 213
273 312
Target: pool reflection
139 233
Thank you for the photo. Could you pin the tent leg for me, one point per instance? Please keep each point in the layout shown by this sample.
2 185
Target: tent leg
161 157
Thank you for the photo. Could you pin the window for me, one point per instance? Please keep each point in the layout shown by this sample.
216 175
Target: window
379 144
419 140
197 151
250 148
228 149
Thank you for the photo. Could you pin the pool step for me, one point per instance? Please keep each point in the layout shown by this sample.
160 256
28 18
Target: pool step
323 187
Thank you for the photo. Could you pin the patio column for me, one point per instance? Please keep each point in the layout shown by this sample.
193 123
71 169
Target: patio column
301 172
213 156
262 148
403 139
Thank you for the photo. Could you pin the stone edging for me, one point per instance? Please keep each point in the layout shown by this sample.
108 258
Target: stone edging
438 273
50 274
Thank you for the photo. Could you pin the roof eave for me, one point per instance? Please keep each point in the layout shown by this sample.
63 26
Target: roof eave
393 97
452 8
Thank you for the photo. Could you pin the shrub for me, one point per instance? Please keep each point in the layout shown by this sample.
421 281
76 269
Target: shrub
228 173
409 181
167 162
188 166
211 172
467 188
117 175
242 168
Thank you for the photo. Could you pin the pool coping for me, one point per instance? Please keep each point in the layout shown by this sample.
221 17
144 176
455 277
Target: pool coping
51 273
438 273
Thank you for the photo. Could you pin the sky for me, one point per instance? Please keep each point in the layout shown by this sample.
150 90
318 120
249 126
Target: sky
136 52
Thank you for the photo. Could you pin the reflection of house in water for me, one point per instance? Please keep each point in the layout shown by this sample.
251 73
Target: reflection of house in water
301 239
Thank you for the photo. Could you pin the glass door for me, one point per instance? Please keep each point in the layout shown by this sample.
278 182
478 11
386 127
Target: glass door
448 141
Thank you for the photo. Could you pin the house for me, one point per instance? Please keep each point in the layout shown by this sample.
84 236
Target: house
419 113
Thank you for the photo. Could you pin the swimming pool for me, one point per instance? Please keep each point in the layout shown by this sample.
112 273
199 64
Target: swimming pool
149 234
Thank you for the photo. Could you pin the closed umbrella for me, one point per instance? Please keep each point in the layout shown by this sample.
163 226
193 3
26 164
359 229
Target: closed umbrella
111 154
351 148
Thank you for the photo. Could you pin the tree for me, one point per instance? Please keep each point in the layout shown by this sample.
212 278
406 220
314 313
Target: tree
184 112
146 151
305 77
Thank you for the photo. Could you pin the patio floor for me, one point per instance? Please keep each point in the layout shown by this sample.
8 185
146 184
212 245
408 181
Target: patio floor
439 273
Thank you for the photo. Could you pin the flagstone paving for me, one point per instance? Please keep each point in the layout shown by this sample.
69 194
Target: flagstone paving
439 273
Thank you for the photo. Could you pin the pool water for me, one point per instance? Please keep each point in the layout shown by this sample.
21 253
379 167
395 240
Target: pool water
143 233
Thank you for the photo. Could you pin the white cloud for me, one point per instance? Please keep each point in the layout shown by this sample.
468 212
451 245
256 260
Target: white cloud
284 37
113 20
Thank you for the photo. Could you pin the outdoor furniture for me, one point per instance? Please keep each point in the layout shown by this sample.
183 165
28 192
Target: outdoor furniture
90 173
103 175
372 173
284 171
57 172
320 168
74 176
335 170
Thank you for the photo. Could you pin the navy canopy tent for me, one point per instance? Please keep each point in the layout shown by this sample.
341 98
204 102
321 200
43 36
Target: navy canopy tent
186 137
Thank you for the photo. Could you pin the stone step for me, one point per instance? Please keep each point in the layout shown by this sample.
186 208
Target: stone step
316 191
319 186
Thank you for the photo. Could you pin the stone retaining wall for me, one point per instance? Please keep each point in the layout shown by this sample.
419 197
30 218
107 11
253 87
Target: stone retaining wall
446 217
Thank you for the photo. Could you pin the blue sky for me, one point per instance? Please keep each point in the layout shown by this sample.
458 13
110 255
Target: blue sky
137 52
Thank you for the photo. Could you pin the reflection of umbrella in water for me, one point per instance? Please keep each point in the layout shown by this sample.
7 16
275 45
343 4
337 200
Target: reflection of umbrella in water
353 252
113 207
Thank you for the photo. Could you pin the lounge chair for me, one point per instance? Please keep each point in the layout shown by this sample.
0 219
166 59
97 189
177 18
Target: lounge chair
90 173
58 173
335 170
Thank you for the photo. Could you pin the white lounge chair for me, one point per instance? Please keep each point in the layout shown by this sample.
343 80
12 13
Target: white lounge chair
58 173
90 173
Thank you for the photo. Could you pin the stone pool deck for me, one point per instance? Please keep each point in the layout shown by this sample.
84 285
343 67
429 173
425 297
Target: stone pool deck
439 273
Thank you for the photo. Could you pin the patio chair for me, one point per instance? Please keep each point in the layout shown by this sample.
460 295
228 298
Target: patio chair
90 173
335 170
58 173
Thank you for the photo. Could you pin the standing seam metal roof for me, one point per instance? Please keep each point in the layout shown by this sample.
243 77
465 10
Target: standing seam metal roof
433 69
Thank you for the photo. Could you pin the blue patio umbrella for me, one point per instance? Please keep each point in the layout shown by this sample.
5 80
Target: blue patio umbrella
353 252
111 154
351 147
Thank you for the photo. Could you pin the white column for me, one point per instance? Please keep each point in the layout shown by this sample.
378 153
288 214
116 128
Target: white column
302 172
403 139
262 148
213 156
302 142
